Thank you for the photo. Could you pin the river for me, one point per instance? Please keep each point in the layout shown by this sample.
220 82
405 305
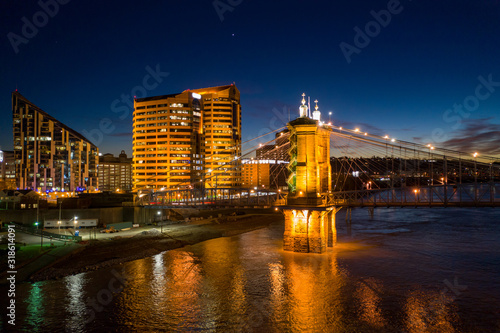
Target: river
402 270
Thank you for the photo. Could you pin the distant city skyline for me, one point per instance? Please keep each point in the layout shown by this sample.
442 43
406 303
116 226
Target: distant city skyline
417 71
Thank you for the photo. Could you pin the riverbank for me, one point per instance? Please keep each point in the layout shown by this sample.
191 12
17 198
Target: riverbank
95 255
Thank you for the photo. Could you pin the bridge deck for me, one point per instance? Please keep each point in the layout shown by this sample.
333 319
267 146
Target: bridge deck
469 195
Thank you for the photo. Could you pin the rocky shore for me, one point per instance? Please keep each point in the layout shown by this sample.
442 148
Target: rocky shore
104 253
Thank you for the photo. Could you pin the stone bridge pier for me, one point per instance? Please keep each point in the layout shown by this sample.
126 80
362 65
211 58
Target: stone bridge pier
309 220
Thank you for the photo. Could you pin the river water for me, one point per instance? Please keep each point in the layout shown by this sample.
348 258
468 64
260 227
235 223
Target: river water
404 270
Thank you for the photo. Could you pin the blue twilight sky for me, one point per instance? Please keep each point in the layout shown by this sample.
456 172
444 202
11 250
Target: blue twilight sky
400 77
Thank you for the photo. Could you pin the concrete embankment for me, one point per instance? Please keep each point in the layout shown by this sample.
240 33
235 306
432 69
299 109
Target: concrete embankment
118 249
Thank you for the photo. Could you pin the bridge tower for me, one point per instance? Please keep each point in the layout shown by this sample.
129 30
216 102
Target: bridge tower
309 220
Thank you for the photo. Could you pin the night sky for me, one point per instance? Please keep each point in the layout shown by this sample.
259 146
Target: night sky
403 81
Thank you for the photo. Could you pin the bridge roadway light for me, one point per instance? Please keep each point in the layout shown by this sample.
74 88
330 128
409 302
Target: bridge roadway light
475 167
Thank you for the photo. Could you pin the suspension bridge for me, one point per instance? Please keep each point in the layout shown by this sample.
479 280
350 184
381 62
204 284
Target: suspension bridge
366 171
330 168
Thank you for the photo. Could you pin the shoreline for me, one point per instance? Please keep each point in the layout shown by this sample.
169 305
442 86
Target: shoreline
117 250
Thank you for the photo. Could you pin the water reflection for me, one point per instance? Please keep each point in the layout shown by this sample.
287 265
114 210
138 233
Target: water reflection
388 282
429 313
368 294
75 302
35 306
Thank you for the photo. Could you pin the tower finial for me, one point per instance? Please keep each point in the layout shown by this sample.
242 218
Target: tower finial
303 108
317 113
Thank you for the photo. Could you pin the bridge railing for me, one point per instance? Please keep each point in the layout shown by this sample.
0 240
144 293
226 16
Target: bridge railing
212 197
438 195
39 232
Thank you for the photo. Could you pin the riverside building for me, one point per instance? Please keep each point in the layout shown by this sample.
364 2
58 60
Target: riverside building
7 170
188 140
50 156
115 173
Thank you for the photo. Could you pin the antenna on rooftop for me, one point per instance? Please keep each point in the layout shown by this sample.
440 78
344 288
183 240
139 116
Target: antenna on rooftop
309 106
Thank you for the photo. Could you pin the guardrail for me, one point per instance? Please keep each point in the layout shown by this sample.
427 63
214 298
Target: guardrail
38 232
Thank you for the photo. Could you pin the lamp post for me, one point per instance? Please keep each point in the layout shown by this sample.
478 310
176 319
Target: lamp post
38 219
60 211
161 222
330 116
430 164
386 154
75 223
475 175
37 209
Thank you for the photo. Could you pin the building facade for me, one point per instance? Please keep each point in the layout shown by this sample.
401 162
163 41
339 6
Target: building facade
115 173
50 156
264 174
222 135
167 146
7 170
187 140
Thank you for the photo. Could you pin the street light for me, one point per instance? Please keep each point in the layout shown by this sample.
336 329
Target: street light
330 115
430 164
75 223
475 167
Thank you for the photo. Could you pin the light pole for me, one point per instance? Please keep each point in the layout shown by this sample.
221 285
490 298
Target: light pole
386 154
59 222
330 116
430 164
475 175
37 209
75 223
161 222
38 219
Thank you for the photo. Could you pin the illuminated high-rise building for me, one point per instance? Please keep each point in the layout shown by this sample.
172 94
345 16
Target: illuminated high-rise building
115 173
222 135
167 149
7 170
48 154
188 140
